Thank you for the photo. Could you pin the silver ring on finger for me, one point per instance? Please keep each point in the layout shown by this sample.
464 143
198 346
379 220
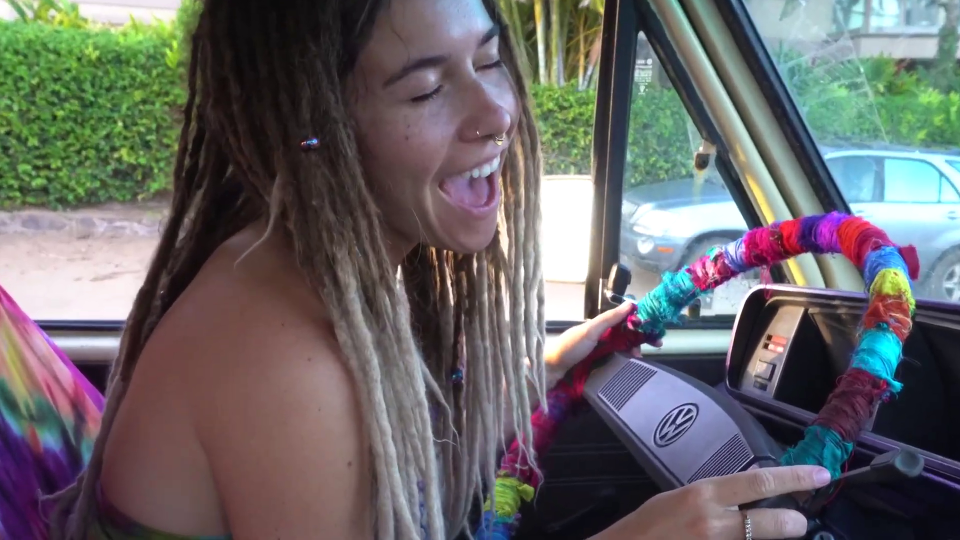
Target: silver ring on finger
747 527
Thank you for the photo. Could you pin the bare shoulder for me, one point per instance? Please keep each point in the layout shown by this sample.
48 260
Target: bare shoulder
272 400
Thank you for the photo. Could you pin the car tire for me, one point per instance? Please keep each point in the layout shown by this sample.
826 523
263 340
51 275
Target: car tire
944 280
701 247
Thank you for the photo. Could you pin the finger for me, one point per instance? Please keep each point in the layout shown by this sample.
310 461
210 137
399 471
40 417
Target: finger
750 486
770 523
614 316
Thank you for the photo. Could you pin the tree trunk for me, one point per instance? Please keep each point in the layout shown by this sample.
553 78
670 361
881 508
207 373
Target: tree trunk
592 61
541 23
581 51
557 41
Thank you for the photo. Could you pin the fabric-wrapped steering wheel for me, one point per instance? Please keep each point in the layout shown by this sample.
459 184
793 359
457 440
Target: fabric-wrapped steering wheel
888 271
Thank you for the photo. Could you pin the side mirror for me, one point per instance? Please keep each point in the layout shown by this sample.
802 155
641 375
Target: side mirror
616 288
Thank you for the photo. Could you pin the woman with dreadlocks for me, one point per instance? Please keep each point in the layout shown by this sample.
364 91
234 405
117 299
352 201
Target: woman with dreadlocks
337 331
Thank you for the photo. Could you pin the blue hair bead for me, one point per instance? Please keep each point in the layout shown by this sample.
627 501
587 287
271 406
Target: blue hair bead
310 144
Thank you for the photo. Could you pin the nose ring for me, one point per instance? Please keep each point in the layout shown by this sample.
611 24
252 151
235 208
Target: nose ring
499 140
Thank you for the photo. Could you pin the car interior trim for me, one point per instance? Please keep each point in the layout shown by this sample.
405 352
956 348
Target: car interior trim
763 68
93 347
722 162
756 177
610 141
766 132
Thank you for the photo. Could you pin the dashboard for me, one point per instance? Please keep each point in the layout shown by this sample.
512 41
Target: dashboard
790 345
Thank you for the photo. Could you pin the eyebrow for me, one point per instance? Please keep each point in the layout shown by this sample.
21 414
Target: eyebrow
428 62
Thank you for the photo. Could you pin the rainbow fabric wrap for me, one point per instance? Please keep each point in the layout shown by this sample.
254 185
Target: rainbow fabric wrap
49 418
887 270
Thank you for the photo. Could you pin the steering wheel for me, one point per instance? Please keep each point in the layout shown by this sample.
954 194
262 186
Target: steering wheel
888 271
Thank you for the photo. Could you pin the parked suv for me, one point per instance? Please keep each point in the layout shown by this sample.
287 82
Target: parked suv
912 194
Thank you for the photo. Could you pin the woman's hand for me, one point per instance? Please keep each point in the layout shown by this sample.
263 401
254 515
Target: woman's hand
576 343
707 510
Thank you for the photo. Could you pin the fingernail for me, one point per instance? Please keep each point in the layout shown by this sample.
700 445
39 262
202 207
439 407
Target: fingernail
822 477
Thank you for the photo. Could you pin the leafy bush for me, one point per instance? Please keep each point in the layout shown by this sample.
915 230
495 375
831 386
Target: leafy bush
90 115
659 147
86 116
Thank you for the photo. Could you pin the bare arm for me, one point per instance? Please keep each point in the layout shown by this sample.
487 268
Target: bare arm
277 414
286 446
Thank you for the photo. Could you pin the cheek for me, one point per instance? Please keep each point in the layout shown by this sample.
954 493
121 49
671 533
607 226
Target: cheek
401 153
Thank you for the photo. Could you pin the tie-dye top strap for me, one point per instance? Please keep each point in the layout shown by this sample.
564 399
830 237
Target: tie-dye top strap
112 524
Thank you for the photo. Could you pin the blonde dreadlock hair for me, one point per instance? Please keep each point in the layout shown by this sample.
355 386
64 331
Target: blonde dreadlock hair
260 80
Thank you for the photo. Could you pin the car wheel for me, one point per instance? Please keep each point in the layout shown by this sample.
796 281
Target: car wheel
701 247
944 280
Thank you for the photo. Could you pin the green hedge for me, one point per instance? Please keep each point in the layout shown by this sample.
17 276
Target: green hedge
91 115
86 116
659 144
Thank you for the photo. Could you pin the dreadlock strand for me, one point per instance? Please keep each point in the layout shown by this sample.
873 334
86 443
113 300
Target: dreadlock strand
491 390
473 377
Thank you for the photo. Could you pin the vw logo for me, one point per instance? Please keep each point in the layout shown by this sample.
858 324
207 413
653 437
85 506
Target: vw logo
675 424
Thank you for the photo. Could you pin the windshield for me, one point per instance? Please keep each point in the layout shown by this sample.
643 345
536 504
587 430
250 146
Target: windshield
878 87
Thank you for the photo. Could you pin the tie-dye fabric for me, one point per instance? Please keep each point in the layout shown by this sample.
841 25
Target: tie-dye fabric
49 417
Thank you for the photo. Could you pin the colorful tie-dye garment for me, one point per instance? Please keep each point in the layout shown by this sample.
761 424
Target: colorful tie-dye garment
49 418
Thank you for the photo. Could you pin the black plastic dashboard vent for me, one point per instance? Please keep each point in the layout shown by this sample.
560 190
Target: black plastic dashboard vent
627 381
728 459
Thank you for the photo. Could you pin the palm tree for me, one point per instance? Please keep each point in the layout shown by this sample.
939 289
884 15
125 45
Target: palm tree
564 33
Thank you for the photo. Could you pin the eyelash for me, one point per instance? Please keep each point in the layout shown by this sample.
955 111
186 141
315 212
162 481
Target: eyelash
427 97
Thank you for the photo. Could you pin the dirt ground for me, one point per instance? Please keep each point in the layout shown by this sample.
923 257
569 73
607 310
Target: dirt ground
55 275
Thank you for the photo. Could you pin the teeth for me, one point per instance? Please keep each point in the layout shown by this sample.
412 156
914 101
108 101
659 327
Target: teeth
485 169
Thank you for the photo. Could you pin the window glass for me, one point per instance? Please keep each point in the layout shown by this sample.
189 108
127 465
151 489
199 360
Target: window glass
948 193
911 181
87 148
671 215
856 177
567 205
954 164
868 79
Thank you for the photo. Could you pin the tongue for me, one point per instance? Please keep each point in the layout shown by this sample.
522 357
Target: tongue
470 192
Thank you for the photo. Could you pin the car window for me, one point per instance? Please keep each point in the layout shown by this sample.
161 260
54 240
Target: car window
871 79
954 164
948 192
911 181
671 214
566 203
856 177
89 124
